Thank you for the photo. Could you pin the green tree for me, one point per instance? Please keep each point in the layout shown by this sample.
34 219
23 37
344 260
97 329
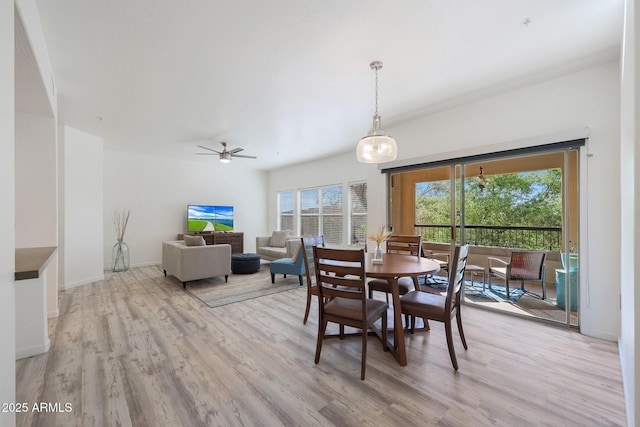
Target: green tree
528 199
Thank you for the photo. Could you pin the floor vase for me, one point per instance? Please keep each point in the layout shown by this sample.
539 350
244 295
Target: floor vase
120 256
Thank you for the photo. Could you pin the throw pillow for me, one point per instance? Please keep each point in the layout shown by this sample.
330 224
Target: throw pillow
194 241
296 253
279 238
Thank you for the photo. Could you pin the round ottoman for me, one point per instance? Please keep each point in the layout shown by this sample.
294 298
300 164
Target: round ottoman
245 263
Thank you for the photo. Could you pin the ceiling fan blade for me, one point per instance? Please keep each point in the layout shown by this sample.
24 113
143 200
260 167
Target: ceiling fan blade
207 154
210 149
241 155
236 150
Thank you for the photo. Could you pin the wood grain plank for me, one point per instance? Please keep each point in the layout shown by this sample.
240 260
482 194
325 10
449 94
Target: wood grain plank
136 350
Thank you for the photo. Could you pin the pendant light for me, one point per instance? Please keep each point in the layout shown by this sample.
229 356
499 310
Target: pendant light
377 146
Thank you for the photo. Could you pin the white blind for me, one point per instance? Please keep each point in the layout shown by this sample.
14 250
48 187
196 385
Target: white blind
358 213
332 214
285 211
321 213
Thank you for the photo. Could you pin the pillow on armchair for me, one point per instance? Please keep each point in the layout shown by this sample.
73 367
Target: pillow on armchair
194 241
279 238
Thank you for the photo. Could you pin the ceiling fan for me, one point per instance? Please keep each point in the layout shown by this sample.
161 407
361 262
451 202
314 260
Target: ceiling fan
225 155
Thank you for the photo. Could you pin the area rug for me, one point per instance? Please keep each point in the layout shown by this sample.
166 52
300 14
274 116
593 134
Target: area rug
497 292
214 292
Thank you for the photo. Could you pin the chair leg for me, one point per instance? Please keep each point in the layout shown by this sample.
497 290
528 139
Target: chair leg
506 285
363 362
322 327
385 325
452 350
273 278
460 331
306 311
300 279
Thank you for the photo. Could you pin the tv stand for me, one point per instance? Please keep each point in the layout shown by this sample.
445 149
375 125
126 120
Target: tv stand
235 239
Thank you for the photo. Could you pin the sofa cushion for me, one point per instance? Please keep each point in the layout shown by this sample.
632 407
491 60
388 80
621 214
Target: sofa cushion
194 241
273 253
279 238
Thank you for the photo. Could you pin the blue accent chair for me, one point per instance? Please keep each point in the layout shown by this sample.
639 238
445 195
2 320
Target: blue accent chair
288 266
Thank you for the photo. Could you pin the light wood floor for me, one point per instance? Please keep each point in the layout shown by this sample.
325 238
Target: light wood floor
136 350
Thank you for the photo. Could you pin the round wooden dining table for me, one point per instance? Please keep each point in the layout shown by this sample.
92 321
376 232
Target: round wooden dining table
393 267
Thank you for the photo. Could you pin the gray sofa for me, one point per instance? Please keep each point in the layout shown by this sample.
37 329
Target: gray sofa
189 263
271 250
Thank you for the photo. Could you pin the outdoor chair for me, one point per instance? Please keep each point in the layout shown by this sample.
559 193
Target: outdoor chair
442 258
396 244
441 308
340 280
524 265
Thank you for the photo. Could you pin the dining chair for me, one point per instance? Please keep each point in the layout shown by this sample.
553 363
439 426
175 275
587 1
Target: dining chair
398 244
340 280
306 248
523 265
441 308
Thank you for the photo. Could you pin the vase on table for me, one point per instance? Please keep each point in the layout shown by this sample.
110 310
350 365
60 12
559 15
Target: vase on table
378 253
120 256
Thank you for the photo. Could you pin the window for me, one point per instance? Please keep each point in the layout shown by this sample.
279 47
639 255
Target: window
321 213
310 212
332 214
320 210
358 214
285 211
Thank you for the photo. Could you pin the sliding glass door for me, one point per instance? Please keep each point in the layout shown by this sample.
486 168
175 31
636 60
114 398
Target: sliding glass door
512 210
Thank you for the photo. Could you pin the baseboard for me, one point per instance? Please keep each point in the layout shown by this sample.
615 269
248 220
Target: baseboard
54 313
81 283
33 350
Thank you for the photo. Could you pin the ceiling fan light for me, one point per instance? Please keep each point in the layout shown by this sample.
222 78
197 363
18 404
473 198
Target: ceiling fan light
225 157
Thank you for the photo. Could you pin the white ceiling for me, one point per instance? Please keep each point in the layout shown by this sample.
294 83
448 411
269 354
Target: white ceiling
289 80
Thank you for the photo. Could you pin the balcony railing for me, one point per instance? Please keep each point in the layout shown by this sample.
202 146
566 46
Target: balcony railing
538 238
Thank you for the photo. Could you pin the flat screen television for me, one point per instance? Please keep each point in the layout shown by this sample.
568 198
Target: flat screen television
209 218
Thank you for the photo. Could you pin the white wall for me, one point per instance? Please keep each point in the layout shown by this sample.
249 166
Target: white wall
7 213
36 192
158 190
83 222
630 221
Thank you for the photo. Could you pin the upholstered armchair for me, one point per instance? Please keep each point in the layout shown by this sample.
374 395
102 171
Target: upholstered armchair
188 263
293 265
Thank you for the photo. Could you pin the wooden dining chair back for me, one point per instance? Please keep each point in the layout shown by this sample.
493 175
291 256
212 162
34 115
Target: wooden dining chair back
441 308
340 281
523 265
306 251
399 244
